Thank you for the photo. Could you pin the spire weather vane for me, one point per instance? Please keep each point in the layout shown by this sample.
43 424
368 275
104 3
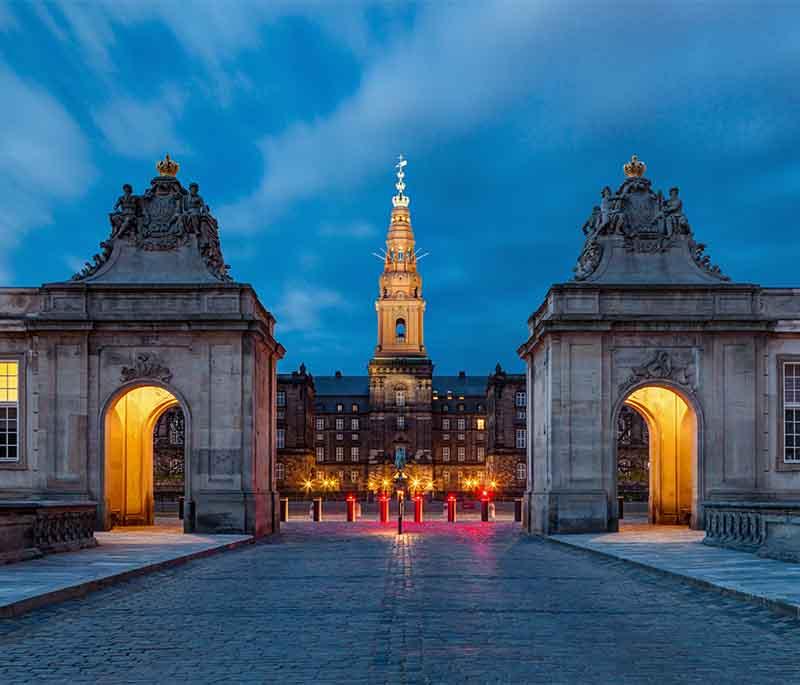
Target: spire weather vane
400 200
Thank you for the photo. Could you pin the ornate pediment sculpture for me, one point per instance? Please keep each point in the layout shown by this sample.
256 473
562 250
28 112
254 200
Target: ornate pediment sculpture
660 367
638 221
165 218
147 365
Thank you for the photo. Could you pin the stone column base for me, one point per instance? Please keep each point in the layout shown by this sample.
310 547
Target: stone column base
243 513
577 511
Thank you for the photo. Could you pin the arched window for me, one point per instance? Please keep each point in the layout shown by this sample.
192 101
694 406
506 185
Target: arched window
400 330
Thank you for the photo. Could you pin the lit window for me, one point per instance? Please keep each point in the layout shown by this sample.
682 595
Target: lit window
446 424
460 476
445 436
339 424
339 408
354 453
9 410
320 424
462 424
353 424
281 398
280 471
445 454
461 436
480 453
320 455
340 454
400 398
354 476
341 476
354 408
281 438
339 436
791 412
522 438
401 423
521 471
480 424
462 453
521 398
460 407
320 436
446 476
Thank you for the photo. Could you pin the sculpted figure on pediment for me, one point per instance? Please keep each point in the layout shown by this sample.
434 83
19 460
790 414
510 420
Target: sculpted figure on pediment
162 219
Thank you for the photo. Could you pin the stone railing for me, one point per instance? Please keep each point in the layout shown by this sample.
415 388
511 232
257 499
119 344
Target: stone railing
30 529
770 529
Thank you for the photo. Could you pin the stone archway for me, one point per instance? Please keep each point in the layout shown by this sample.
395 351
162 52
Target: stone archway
673 427
128 424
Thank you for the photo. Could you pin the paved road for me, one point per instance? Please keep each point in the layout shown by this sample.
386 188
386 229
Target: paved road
469 603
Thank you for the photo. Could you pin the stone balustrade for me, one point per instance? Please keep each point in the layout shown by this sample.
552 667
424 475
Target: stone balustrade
32 529
770 529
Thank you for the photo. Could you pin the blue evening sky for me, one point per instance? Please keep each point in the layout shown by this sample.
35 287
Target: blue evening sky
290 114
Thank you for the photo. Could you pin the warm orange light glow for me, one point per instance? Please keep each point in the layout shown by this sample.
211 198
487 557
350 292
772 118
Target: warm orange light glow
128 437
672 426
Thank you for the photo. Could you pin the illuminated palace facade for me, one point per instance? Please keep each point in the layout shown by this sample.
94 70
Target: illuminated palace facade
456 433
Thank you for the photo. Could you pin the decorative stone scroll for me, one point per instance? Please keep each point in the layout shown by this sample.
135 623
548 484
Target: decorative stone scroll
147 366
589 260
163 218
643 220
660 367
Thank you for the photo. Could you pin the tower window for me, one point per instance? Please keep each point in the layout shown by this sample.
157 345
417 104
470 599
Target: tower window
400 330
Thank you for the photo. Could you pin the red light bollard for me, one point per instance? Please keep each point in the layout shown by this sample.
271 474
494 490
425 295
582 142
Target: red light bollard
484 506
383 509
351 508
451 509
418 515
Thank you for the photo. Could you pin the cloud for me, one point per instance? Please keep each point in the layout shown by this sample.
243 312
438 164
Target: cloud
464 65
44 158
214 33
142 129
302 305
353 229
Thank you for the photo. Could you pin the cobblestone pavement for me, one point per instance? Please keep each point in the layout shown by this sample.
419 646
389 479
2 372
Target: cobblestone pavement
465 603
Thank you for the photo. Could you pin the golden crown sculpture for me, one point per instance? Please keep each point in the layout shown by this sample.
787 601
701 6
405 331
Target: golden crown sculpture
167 167
635 168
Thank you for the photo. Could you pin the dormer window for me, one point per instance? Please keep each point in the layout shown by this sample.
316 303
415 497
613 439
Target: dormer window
400 330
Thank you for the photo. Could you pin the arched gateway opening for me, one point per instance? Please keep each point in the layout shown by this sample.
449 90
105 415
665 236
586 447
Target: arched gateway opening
656 454
145 456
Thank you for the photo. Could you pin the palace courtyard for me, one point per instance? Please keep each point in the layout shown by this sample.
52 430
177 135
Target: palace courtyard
466 603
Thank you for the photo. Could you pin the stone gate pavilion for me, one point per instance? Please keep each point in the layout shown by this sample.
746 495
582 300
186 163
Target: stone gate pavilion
712 366
154 322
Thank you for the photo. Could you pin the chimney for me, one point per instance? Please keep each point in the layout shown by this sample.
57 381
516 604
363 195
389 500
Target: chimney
338 374
461 374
